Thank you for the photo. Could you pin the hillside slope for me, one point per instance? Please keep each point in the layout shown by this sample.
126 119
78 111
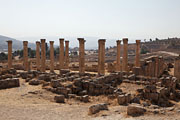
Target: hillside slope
17 44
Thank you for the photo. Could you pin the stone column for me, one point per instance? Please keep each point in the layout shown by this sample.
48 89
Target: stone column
150 69
177 67
61 54
137 60
125 54
67 55
25 55
9 54
101 57
81 56
118 61
51 56
43 55
38 55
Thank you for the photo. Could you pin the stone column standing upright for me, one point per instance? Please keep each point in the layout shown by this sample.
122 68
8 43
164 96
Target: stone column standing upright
61 54
67 54
81 56
137 61
25 55
9 54
38 55
51 56
157 66
43 55
125 54
118 61
101 57
177 67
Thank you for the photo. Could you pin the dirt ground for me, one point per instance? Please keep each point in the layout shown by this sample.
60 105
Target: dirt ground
34 103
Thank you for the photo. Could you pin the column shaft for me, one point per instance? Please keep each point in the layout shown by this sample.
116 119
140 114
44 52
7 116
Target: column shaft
38 55
61 54
118 61
25 55
67 54
51 56
81 56
101 57
9 54
43 55
125 54
137 61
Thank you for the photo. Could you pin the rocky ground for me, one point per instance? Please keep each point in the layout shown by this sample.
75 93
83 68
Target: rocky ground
29 102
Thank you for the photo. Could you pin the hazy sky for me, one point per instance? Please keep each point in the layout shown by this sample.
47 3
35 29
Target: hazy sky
135 19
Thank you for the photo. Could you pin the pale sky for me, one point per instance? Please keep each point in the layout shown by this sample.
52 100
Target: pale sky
111 19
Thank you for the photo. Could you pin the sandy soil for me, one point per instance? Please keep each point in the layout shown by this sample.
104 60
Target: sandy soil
34 103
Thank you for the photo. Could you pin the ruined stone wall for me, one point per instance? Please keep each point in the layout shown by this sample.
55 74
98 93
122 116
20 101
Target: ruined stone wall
153 66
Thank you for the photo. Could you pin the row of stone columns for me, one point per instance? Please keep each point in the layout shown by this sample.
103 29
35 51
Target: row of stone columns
125 55
64 60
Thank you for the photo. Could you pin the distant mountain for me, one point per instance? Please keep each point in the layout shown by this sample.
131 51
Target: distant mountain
17 44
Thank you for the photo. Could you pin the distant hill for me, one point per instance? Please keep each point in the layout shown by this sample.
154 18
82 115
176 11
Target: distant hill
17 44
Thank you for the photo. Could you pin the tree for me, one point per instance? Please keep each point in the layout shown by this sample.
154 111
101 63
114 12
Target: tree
144 51
3 56
157 39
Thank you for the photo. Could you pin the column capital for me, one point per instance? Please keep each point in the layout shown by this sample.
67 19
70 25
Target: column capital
138 41
51 42
118 41
37 42
43 40
102 40
125 40
61 39
9 41
81 40
25 42
67 41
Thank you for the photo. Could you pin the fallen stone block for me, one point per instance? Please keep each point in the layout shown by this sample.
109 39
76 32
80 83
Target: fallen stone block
55 83
44 77
9 83
59 98
135 110
34 82
124 99
96 108
85 98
